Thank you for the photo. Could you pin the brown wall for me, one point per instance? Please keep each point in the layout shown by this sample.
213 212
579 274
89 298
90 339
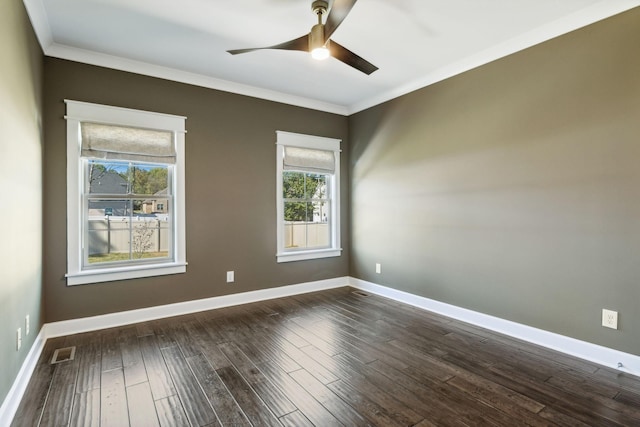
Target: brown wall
230 190
512 189
20 188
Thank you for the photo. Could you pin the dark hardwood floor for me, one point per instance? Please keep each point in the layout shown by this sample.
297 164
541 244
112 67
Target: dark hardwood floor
327 358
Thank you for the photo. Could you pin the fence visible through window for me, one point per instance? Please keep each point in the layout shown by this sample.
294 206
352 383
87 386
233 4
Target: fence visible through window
306 235
120 238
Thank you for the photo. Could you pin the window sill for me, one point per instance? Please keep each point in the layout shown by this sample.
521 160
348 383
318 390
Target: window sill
305 255
124 273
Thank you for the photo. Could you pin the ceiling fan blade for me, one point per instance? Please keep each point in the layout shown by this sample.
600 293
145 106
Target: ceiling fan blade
338 12
301 43
343 54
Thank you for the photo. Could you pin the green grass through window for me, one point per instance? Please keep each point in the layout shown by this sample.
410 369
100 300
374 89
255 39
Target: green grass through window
124 256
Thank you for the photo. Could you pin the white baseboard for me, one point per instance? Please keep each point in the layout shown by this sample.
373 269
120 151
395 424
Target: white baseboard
86 324
11 402
571 346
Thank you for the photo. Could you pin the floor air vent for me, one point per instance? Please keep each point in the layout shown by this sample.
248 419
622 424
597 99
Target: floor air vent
63 355
360 293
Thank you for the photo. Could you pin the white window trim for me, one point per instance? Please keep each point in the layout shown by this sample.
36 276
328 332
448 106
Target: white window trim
78 112
318 143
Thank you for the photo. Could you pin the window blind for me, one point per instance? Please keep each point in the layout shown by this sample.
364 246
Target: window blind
111 142
308 160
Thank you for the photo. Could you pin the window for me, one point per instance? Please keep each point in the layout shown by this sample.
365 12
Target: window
125 193
308 197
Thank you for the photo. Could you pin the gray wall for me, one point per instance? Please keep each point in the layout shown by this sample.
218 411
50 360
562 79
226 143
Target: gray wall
512 189
230 190
20 187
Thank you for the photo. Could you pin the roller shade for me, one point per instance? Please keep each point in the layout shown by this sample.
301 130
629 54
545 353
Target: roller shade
309 160
102 141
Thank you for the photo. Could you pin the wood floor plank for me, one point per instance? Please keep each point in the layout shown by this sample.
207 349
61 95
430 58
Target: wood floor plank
628 398
254 408
227 326
132 361
579 407
205 339
281 308
316 369
86 409
89 355
466 406
111 355
164 330
581 384
365 407
188 336
113 399
58 408
500 398
259 344
557 418
610 408
338 407
293 337
296 419
373 374
171 413
142 410
378 392
272 396
144 328
431 406
196 405
213 333
359 349
431 366
620 379
473 383
159 378
370 332
306 403
316 337
223 403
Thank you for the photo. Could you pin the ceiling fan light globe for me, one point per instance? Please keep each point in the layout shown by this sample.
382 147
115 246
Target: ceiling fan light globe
320 53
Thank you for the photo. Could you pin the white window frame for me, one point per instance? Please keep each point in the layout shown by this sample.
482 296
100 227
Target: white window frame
78 112
318 143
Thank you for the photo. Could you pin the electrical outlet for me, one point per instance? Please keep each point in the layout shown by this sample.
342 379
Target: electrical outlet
26 325
230 276
609 319
18 339
378 268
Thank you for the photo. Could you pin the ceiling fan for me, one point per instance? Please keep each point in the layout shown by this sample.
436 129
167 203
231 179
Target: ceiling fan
318 42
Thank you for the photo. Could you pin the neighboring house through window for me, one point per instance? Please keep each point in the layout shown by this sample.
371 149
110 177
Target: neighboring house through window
308 185
125 193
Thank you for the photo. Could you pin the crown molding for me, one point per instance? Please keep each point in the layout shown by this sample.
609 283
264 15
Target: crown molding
586 16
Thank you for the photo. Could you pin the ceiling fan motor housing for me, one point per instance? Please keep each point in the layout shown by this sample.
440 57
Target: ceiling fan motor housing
316 37
319 7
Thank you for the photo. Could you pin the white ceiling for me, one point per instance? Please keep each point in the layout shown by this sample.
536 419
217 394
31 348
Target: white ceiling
413 42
